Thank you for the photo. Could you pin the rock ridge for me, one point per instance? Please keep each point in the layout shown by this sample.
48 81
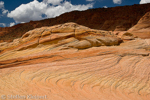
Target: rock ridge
110 19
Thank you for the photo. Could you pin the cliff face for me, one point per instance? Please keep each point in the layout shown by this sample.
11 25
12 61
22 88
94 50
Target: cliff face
142 28
117 18
73 62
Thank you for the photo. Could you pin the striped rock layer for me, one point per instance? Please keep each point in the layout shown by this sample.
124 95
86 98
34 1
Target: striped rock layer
73 62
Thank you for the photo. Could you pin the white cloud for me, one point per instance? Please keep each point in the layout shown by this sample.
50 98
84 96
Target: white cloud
22 22
117 1
11 24
105 7
35 10
65 7
4 11
89 0
53 2
144 1
1 4
3 24
27 12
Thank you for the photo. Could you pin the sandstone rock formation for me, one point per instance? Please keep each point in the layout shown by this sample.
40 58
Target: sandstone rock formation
66 35
110 19
124 35
73 62
120 28
142 28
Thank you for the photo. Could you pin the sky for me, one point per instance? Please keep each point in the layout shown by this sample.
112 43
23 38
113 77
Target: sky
13 12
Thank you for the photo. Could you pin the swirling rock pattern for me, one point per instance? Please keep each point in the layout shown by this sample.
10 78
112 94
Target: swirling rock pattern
73 62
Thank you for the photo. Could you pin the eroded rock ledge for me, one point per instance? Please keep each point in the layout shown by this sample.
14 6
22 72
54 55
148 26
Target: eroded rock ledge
43 42
70 34
73 62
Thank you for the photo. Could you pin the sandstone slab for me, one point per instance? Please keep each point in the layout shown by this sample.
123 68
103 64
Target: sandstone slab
73 62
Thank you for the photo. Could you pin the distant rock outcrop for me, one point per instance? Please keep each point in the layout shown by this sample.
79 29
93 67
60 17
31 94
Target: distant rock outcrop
120 28
142 28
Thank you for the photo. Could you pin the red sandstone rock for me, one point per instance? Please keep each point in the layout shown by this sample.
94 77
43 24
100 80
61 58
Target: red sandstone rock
142 28
53 35
73 62
110 19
